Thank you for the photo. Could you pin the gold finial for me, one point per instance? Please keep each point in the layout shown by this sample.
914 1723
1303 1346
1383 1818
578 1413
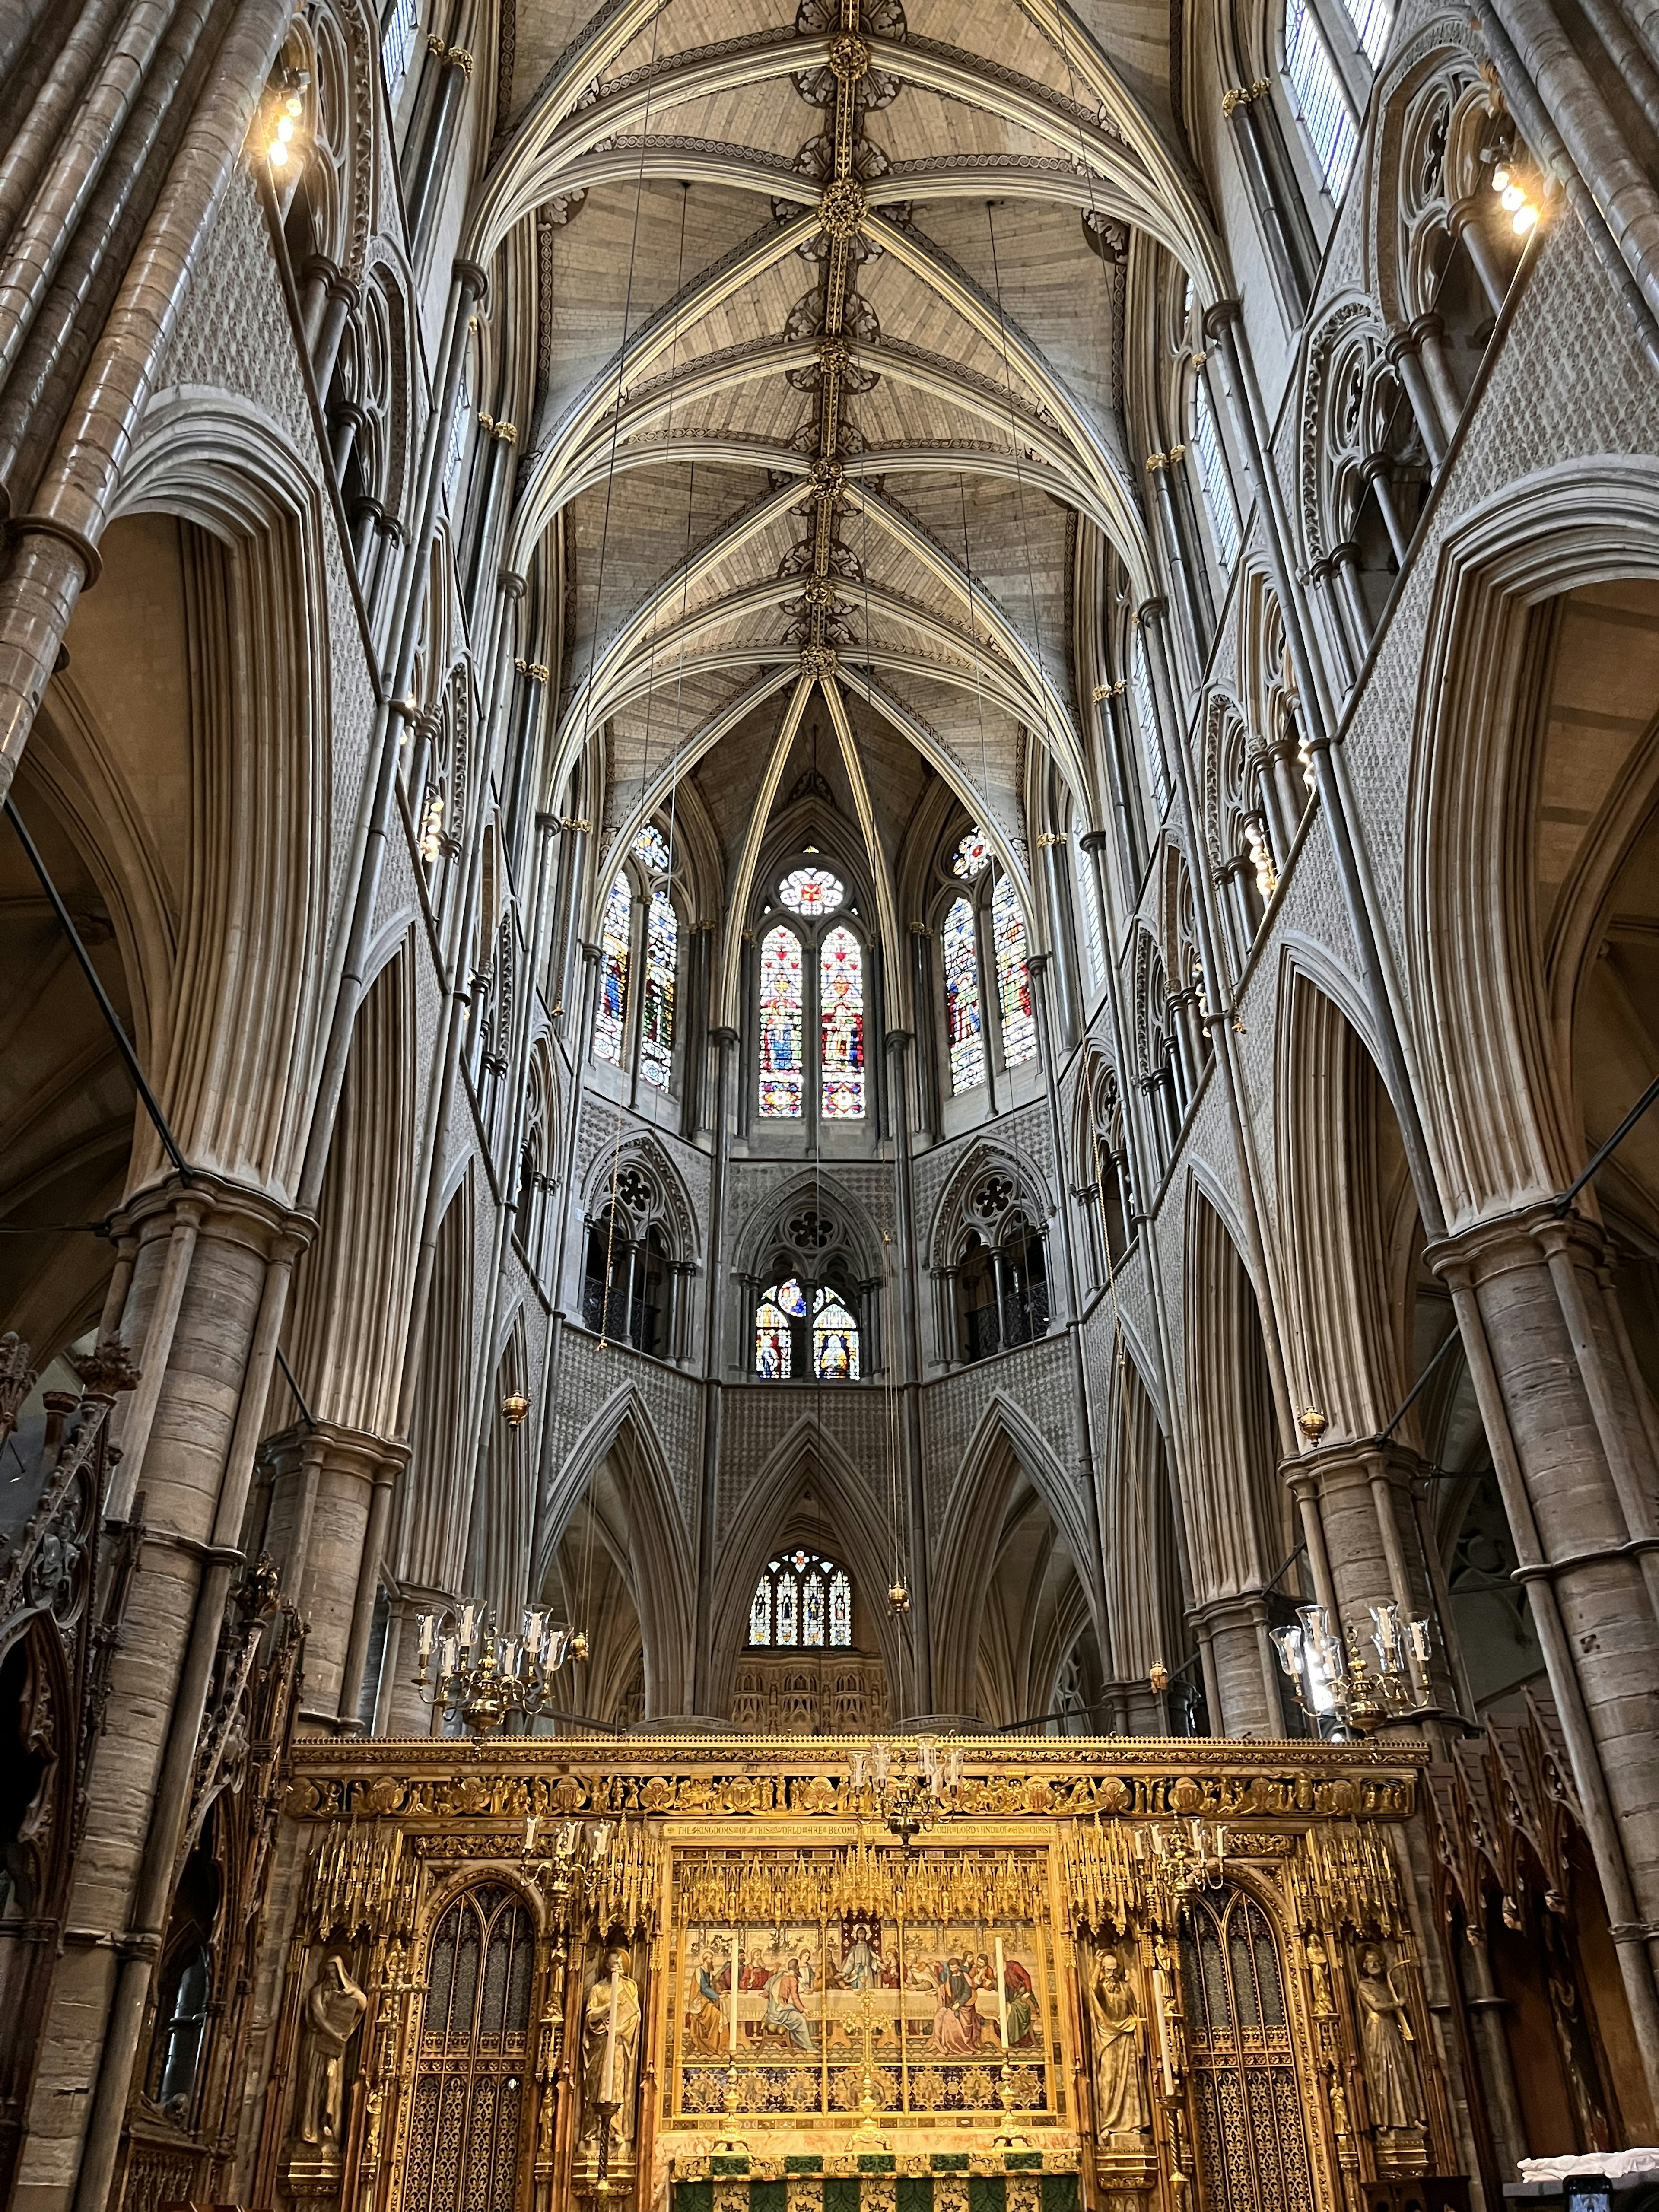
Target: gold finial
1312 1424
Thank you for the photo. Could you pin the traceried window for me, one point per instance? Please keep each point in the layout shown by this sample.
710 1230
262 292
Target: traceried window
811 891
651 850
841 1024
964 1014
802 1601
805 1334
972 855
634 1017
780 1025
1213 475
989 1019
1013 976
662 932
1318 95
616 936
813 1006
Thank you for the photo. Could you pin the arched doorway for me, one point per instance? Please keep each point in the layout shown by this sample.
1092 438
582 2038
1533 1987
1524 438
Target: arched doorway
470 2107
1250 2140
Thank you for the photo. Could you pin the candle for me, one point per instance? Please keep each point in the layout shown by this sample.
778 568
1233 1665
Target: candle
1002 1996
608 2091
429 1631
1163 2030
732 2033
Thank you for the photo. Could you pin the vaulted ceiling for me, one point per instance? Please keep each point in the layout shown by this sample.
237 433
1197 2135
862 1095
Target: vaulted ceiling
831 340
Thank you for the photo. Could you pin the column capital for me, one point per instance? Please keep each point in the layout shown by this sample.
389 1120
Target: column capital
1221 318
472 278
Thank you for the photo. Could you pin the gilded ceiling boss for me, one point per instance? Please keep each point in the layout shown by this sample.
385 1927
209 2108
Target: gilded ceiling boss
829 1181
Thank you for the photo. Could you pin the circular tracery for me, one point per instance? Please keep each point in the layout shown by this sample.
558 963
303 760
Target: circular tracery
811 891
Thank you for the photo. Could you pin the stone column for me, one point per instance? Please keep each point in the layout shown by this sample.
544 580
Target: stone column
1241 1670
195 1486
1569 1450
322 1503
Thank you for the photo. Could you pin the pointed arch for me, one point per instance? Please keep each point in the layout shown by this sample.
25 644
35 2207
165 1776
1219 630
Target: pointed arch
651 1542
808 1456
1006 1449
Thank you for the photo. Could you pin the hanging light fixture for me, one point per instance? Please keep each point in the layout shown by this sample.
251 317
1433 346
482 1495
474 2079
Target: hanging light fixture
481 1677
1336 1684
911 1801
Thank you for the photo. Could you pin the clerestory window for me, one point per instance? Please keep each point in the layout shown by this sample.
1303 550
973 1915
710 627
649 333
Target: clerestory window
634 1021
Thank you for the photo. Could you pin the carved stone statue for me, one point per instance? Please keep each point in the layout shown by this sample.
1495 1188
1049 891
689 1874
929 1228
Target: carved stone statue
611 2048
1120 2087
1385 2040
333 2009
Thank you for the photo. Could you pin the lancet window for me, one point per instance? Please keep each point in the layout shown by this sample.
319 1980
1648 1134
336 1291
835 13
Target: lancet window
1213 476
984 968
812 1009
1317 93
801 1600
634 1020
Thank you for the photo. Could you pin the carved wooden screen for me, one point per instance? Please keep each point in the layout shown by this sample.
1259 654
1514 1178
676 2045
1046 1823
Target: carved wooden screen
1250 2147
467 2122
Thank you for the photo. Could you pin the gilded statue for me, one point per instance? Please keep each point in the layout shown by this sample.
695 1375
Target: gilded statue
333 2009
1385 2039
611 2049
1120 2089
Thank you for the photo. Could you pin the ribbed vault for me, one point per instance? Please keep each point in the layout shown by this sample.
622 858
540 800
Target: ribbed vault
830 391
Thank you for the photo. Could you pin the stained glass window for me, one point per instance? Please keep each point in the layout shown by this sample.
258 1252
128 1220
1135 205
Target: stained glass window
840 1607
791 1297
834 1340
965 1016
781 1090
841 1023
662 945
616 929
802 1599
1014 978
771 1340
971 856
651 848
811 891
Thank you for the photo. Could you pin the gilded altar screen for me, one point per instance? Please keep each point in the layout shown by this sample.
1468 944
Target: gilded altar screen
799 2007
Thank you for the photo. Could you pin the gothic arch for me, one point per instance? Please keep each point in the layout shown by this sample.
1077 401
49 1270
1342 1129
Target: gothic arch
653 1545
245 1002
1006 1450
1000 1158
803 1459
347 1347
1342 1181
1497 1103
641 1176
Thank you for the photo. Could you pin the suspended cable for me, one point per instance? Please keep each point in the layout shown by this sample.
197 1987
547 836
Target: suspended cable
113 1020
